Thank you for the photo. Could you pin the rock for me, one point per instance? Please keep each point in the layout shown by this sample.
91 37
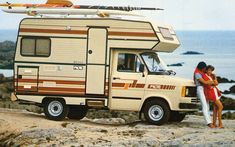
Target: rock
226 92
1 77
228 103
173 143
40 136
128 117
192 53
176 64
232 89
224 80
112 121
229 115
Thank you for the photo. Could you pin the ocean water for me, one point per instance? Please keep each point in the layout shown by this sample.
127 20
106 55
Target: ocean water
6 72
218 48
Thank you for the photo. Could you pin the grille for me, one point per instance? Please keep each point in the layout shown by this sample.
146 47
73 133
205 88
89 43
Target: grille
195 100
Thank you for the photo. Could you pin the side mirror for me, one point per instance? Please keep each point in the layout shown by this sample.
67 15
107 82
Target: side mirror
141 69
171 72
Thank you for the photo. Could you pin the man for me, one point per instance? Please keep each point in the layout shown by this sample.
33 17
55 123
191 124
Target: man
199 81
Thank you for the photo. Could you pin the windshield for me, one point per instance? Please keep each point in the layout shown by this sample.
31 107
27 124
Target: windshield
153 62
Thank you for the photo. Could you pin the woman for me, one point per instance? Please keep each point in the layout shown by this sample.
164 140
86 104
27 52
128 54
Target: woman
213 94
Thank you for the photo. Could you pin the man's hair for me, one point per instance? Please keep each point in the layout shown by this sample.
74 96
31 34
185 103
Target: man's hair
210 67
201 65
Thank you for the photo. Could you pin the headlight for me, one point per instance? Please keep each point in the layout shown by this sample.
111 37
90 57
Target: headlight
189 91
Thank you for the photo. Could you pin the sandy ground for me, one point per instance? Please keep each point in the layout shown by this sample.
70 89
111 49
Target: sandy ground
18 127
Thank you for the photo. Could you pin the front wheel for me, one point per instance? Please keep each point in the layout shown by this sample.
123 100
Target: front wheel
156 112
55 109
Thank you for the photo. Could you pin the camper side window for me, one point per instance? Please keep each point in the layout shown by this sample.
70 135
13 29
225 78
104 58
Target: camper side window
128 63
38 47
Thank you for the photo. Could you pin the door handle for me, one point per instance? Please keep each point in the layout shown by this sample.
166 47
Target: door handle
19 76
90 51
116 78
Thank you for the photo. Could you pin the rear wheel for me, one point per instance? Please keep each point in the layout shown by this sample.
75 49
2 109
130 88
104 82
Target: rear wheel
177 116
55 109
77 112
156 112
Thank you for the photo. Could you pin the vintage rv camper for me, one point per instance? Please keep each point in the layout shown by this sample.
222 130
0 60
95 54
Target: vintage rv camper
68 65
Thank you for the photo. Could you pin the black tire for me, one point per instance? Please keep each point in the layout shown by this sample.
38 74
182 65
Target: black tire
156 112
55 109
177 116
77 112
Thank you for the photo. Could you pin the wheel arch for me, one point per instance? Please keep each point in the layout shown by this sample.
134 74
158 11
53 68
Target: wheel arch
52 98
159 98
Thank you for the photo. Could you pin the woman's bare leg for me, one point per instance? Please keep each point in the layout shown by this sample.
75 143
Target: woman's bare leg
214 114
220 108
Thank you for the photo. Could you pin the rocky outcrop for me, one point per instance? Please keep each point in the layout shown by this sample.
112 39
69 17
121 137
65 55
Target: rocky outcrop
176 64
7 50
6 87
224 80
192 53
232 89
229 115
228 103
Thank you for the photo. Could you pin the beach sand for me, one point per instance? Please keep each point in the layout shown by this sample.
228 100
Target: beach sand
19 127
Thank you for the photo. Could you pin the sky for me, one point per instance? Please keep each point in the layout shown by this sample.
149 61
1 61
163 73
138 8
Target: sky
180 14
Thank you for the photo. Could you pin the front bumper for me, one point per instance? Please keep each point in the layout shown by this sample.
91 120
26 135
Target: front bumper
188 106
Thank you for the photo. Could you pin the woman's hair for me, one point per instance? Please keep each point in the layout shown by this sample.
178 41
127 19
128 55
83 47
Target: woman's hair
201 65
210 67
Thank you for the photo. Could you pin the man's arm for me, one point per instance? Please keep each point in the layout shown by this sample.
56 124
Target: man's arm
209 82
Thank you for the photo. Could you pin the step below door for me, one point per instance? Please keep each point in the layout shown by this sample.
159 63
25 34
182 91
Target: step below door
96 61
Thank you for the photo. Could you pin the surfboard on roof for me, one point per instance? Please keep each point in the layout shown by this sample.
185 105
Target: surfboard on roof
66 7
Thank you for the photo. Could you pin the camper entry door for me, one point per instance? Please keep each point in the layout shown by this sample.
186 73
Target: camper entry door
96 61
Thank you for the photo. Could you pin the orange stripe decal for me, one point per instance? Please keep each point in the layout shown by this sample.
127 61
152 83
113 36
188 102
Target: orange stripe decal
52 89
84 32
140 85
134 83
57 81
165 87
56 31
118 84
139 34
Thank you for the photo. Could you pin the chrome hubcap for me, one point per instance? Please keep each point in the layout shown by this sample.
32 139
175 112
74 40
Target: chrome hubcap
155 112
55 108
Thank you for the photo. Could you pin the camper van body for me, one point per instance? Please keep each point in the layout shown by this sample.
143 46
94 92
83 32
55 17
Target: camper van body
70 64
